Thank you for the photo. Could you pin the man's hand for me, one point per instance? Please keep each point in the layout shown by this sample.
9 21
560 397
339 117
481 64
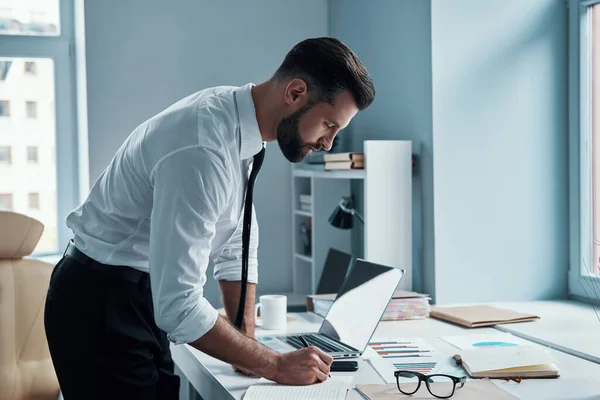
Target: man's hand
302 367
243 371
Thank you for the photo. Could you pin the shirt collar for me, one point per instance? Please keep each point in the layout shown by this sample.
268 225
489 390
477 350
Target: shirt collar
250 133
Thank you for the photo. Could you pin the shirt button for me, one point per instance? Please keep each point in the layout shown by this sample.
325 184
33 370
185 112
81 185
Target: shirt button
187 294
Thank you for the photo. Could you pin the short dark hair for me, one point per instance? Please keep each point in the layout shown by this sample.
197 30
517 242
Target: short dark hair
328 67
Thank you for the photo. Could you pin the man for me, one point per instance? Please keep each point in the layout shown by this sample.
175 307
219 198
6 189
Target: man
172 199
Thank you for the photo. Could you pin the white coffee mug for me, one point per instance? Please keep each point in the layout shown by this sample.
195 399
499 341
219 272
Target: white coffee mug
273 312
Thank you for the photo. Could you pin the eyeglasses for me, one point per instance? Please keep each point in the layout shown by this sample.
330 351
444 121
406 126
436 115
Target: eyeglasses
439 385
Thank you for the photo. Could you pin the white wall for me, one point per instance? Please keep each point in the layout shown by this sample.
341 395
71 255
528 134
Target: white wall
143 55
500 149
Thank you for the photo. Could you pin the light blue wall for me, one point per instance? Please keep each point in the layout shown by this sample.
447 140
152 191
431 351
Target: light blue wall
143 55
500 149
393 39
481 87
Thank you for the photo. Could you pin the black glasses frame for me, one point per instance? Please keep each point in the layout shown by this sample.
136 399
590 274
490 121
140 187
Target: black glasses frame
422 377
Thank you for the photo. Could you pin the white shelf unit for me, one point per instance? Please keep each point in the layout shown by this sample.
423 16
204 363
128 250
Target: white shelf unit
325 191
388 213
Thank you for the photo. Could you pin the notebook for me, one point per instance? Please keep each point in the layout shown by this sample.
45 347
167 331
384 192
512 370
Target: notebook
473 390
478 316
335 388
508 362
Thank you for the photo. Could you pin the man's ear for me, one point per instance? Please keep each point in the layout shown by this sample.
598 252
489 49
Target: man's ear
296 93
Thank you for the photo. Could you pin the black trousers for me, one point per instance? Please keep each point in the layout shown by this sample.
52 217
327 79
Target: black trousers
103 340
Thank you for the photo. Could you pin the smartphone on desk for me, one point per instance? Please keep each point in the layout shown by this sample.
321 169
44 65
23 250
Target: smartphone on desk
344 366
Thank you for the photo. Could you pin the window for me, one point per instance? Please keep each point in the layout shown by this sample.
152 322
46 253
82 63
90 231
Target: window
4 68
30 17
31 109
37 78
5 155
584 78
30 67
32 155
6 201
34 201
4 108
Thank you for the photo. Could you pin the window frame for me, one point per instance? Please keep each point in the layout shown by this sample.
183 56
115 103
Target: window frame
5 108
33 71
12 200
37 197
61 50
10 156
581 286
37 155
34 109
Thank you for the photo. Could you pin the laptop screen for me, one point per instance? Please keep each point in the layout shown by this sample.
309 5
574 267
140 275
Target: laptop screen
334 271
360 303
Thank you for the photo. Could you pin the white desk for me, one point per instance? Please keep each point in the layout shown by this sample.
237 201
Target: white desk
564 325
213 379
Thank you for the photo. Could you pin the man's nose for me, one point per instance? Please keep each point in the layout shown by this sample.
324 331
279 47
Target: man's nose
328 142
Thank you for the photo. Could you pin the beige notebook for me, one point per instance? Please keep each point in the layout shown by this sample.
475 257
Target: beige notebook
508 362
335 388
473 390
478 316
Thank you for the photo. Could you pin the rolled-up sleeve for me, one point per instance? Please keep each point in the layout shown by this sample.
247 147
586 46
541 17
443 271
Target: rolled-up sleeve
190 192
228 265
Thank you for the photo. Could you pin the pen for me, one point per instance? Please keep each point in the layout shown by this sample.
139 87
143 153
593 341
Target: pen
305 344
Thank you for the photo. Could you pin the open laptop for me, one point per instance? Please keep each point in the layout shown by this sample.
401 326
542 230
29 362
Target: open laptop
353 316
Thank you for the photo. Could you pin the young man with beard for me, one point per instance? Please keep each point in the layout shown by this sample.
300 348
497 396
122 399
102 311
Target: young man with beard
172 198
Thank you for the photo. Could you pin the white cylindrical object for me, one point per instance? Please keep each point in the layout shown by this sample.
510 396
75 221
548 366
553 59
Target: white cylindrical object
388 205
273 312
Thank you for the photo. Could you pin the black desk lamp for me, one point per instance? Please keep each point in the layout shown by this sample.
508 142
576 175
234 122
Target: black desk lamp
343 213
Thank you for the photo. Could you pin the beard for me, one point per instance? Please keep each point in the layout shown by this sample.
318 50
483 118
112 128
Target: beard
288 136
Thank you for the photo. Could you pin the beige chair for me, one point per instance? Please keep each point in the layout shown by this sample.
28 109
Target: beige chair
26 370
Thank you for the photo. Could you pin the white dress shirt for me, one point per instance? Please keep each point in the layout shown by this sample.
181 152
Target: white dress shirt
172 199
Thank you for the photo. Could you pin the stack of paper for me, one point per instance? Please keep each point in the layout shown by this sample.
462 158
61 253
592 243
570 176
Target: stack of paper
407 305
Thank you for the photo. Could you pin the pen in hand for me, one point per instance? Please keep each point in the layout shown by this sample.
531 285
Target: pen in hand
305 344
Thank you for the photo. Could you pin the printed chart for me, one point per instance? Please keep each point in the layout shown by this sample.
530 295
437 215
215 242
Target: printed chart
489 341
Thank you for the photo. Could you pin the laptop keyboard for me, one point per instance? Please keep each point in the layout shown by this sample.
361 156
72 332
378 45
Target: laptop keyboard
313 340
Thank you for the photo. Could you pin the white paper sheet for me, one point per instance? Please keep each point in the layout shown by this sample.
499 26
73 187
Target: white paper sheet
335 388
485 341
424 358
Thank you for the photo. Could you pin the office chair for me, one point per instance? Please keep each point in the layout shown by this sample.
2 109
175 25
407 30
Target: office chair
26 370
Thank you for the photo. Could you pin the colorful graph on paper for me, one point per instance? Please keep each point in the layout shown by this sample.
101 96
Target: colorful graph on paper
485 341
406 354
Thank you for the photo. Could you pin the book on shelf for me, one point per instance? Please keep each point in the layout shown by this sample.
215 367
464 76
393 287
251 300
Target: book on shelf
305 198
340 157
407 305
305 207
305 202
344 165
